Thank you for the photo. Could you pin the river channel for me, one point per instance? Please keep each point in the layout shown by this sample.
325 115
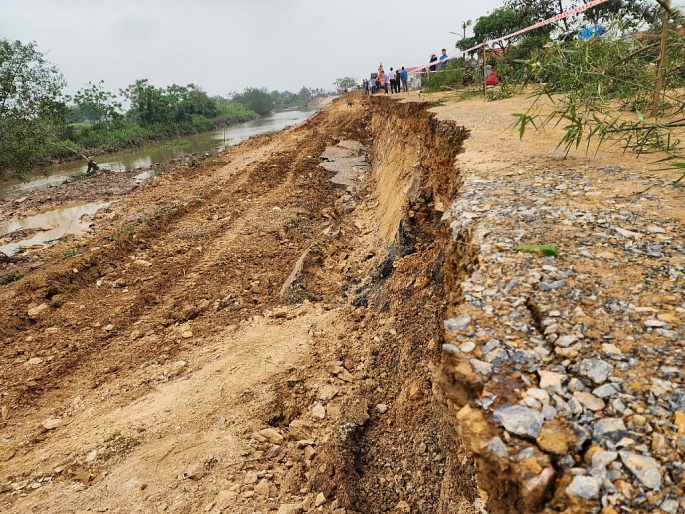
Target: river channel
212 141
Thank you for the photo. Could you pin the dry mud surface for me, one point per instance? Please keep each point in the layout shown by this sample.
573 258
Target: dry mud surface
334 320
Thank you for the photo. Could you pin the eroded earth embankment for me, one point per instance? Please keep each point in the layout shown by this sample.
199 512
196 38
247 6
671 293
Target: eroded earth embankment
335 320
250 335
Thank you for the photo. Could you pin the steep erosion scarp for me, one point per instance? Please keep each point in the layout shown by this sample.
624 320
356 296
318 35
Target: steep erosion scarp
245 336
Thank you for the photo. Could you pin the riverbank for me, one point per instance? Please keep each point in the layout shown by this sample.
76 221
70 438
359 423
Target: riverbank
93 141
335 320
159 155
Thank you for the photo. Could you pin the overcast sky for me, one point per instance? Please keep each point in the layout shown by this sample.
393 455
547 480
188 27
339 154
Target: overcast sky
227 45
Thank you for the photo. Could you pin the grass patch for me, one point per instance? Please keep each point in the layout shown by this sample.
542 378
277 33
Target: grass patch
176 143
118 233
12 277
163 211
72 252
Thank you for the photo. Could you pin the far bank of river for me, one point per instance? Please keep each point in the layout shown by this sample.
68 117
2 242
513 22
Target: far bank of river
211 141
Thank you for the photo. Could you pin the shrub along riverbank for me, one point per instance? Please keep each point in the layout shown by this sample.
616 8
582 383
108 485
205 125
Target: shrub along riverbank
40 124
94 140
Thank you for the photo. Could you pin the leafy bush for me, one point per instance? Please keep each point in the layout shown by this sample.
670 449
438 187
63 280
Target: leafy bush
449 78
72 252
12 277
601 89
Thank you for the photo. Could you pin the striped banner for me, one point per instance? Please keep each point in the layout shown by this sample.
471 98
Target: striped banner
558 17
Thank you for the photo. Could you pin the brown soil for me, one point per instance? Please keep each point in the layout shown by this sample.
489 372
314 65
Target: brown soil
166 370
246 336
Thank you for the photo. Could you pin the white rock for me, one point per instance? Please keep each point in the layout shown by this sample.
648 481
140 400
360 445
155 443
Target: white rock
52 423
539 394
519 420
38 312
272 435
611 349
531 402
565 341
589 400
468 347
646 469
289 508
551 379
319 411
653 229
583 487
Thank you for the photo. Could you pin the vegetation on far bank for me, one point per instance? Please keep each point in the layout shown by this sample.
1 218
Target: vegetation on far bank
40 124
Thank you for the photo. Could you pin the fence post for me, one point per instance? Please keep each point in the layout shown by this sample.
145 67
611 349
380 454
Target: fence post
485 75
659 83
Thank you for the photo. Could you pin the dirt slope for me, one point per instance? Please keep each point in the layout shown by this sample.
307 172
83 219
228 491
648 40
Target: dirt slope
166 368
335 320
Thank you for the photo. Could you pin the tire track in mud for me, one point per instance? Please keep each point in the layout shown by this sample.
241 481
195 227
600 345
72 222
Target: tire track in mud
84 354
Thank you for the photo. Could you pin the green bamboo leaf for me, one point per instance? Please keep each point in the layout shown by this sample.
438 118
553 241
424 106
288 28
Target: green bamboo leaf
545 249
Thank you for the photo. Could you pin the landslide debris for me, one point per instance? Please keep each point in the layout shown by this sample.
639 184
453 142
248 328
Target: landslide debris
165 367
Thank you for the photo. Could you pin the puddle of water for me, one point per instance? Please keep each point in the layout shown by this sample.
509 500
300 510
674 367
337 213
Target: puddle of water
142 177
65 220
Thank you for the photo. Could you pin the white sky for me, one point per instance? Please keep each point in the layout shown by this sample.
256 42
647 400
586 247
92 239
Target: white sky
227 45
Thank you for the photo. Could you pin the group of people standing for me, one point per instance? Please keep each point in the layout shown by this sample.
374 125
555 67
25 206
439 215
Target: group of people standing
395 80
443 61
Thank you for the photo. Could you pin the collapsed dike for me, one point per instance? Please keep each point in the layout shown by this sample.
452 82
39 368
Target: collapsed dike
360 326
537 405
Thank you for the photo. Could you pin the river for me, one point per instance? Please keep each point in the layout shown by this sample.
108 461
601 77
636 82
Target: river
141 157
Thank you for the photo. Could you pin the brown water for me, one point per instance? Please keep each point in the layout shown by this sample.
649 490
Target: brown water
52 225
212 141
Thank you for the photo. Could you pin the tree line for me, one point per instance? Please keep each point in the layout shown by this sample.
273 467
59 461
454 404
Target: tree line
40 123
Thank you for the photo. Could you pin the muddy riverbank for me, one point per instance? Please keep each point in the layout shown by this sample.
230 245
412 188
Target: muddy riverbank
161 152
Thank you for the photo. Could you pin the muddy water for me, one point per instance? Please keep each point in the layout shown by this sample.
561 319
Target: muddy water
212 141
51 225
